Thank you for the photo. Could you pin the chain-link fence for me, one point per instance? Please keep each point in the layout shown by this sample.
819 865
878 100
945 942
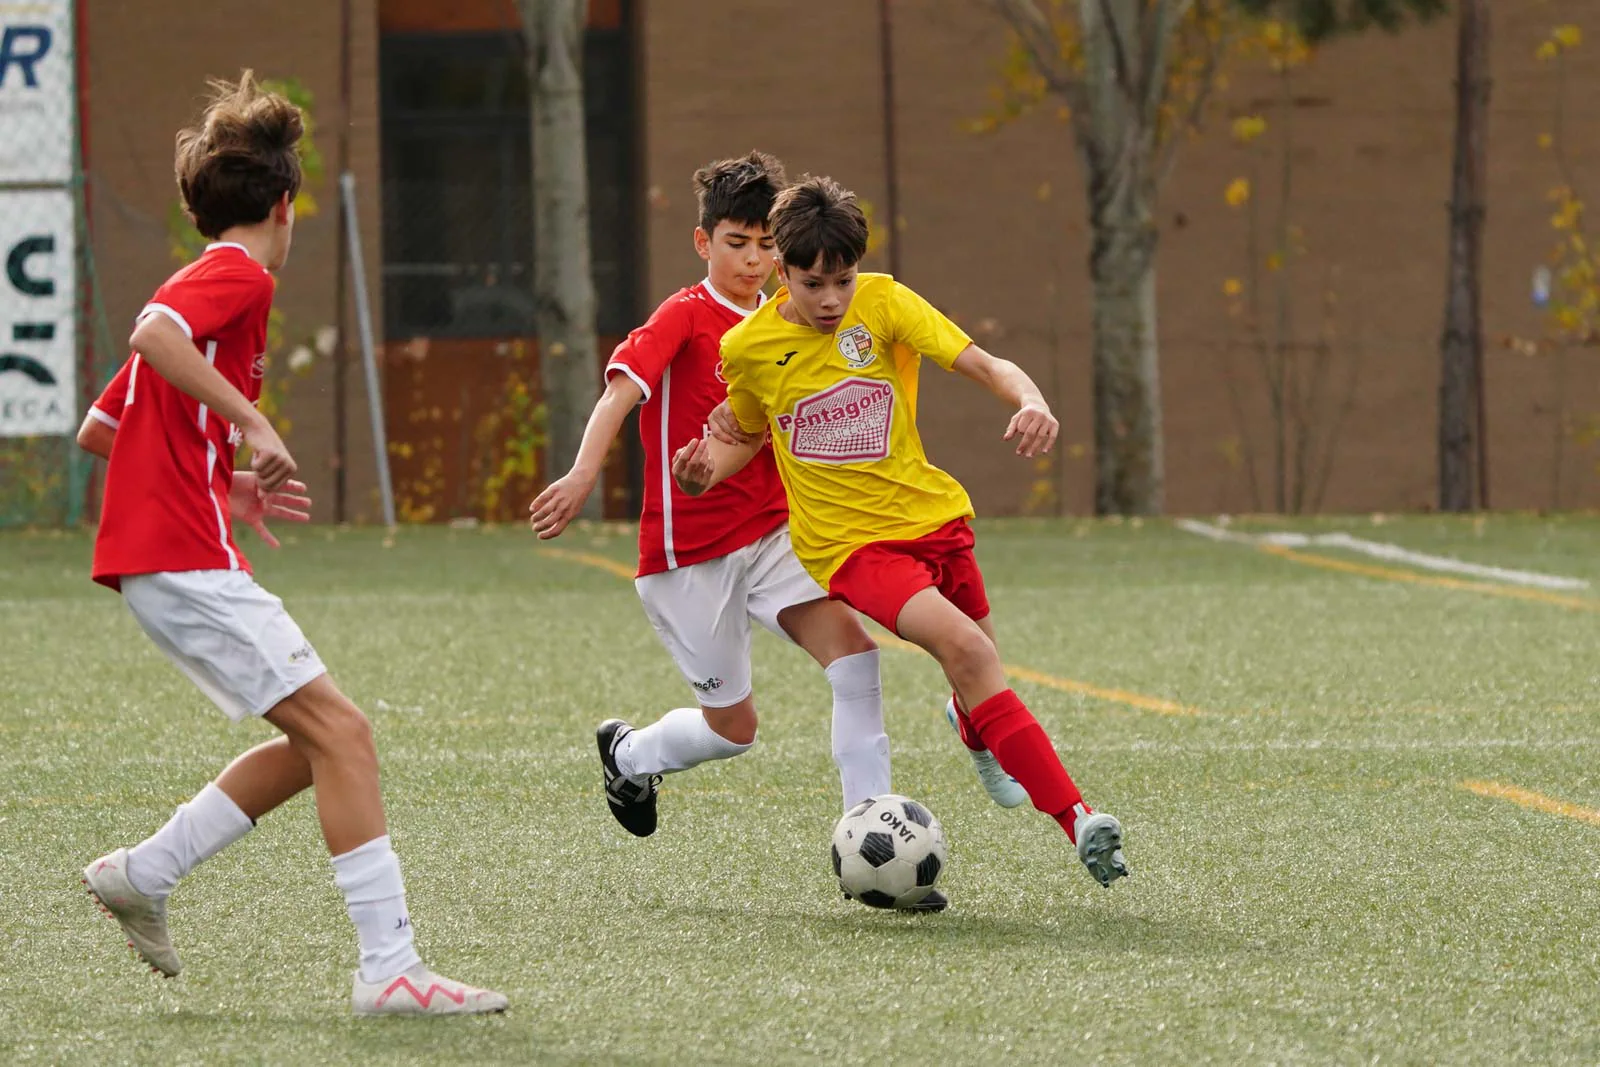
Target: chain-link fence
48 302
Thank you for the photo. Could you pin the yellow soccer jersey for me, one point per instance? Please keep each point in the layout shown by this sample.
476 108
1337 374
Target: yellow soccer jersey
842 410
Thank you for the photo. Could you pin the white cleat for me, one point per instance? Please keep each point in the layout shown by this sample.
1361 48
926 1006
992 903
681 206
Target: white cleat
1100 846
1003 789
421 992
142 918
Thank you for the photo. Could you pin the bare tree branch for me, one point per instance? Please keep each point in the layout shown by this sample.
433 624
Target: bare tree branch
1033 28
1191 120
1158 50
1039 39
1119 54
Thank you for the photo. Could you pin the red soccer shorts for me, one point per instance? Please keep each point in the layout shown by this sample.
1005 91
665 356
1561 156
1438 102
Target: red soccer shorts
878 579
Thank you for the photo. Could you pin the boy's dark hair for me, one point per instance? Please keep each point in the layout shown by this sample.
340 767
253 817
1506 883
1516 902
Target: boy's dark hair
817 225
241 158
738 190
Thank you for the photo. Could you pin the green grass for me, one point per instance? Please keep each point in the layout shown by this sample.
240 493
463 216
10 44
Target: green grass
1311 883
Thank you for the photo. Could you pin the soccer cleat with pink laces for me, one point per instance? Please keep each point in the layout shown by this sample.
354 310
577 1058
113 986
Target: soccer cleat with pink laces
421 992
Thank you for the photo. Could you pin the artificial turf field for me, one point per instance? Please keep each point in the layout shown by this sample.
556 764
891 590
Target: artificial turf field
1363 816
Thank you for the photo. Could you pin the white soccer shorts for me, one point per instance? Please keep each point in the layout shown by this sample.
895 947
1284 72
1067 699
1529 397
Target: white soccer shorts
702 612
230 636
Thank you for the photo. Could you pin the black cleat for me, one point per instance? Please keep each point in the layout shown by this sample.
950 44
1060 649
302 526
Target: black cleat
934 901
632 801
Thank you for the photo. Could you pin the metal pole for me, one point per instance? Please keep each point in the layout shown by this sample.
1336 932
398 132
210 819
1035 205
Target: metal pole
369 359
891 145
341 352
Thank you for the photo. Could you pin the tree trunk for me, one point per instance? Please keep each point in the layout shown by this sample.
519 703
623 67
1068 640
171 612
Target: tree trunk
1116 137
562 280
1129 475
1462 479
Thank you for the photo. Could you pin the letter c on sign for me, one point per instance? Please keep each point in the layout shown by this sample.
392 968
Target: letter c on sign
17 266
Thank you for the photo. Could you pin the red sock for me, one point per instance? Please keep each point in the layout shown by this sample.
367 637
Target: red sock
964 727
1008 729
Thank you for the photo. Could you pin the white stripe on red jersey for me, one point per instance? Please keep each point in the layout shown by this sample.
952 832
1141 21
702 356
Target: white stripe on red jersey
675 358
171 471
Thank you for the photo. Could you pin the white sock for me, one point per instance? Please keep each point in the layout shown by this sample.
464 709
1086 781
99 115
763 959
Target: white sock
197 831
860 747
375 896
678 740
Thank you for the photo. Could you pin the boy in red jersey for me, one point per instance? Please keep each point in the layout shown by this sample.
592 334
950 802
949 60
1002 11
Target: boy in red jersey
174 416
828 368
708 566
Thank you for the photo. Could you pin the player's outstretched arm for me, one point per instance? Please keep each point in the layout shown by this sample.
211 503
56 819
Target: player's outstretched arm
1033 426
705 462
168 350
563 498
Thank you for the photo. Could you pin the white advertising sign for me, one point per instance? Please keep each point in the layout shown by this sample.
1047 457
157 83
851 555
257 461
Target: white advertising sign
37 90
38 349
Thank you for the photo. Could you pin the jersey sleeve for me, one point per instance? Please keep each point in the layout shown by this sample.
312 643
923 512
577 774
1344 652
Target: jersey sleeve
645 353
914 322
203 305
747 404
107 408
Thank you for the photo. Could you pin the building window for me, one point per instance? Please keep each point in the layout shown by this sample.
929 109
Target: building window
457 182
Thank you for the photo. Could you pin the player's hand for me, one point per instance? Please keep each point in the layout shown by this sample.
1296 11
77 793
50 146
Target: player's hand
249 505
725 428
1034 428
558 505
269 457
693 467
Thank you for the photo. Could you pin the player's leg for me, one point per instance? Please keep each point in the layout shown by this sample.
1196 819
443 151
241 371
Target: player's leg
789 602
244 651
192 618
1002 788
698 613
220 814
335 739
834 637
1007 728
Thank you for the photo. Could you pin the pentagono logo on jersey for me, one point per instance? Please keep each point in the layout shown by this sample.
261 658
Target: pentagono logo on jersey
845 423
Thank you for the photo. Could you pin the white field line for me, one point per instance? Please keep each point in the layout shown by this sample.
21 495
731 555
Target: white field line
1386 551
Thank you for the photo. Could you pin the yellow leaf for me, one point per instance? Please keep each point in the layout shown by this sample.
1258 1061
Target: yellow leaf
1232 287
1547 50
1567 36
1238 192
1043 192
1247 128
1275 261
1545 140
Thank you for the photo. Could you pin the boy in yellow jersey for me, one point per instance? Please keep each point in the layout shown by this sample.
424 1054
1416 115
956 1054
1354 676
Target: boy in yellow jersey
829 368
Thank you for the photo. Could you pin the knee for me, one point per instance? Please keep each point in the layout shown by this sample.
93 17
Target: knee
736 725
967 651
336 728
858 643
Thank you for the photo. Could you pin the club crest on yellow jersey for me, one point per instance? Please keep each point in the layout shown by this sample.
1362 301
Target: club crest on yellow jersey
855 345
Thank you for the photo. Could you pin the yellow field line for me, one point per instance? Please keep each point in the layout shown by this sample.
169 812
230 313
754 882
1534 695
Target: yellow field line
1066 685
1536 801
1026 674
1391 574
589 559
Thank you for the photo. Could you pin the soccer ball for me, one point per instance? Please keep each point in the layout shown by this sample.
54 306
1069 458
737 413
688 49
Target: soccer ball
888 851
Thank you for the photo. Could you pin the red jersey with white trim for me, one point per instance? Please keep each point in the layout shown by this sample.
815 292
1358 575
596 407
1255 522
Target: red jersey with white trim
676 359
114 397
166 496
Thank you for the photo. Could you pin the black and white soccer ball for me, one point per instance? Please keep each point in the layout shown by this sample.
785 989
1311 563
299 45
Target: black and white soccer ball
888 852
